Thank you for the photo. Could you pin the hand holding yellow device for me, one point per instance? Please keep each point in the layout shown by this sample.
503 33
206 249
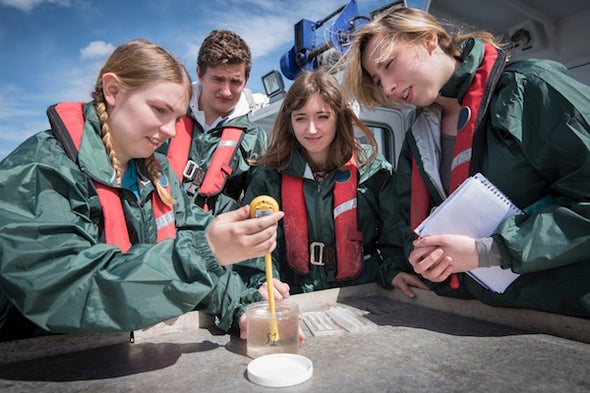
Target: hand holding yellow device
260 206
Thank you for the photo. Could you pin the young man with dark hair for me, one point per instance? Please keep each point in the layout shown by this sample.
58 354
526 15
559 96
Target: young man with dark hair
214 144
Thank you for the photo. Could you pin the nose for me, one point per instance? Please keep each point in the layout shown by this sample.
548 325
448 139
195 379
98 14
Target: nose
226 89
311 128
169 128
388 86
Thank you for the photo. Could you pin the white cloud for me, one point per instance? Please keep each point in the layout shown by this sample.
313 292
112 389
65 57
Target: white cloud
11 102
264 34
23 5
28 5
96 49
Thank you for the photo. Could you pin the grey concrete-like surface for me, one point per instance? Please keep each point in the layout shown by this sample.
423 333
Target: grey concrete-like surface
411 348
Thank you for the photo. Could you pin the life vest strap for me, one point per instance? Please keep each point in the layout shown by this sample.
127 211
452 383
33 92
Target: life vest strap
179 146
209 181
220 169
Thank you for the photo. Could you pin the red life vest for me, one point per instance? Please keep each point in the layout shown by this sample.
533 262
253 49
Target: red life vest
67 123
476 99
472 117
219 170
348 238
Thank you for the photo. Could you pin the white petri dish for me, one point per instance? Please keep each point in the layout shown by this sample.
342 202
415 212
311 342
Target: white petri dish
280 370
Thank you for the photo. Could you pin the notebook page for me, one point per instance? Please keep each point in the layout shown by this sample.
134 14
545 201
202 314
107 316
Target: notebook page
475 209
494 278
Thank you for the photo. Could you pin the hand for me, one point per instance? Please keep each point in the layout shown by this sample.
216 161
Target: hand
243 324
233 237
437 257
404 282
280 289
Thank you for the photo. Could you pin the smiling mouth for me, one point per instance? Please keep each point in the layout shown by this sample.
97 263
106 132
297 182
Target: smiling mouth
406 93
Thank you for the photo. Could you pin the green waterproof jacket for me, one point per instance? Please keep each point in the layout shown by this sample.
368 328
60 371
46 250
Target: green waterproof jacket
56 270
203 147
376 212
537 147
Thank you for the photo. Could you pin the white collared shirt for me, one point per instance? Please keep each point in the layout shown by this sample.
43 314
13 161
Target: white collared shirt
242 108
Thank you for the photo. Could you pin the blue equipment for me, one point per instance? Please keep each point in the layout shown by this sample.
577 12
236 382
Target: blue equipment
305 54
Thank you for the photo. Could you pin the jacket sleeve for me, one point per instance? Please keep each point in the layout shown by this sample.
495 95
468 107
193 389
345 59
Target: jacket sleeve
553 128
56 271
384 212
400 235
229 299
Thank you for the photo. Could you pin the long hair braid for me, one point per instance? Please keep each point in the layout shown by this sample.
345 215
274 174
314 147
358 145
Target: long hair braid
155 173
103 116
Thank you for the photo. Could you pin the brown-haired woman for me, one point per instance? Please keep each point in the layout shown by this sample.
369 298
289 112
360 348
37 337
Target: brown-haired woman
337 194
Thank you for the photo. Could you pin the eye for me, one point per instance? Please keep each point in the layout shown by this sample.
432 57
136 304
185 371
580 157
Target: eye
388 64
160 110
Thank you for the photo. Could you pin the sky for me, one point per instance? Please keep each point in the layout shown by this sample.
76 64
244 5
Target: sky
52 50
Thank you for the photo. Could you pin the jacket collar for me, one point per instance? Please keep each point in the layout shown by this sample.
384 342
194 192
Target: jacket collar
299 166
242 108
473 52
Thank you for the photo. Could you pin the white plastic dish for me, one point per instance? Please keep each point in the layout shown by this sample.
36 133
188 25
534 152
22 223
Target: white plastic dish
280 370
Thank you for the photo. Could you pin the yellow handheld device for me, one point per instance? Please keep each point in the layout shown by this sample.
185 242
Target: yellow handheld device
261 206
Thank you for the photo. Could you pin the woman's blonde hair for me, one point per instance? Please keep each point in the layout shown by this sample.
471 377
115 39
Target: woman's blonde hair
403 25
283 141
137 63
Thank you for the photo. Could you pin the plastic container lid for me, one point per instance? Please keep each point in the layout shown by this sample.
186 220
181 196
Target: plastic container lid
280 370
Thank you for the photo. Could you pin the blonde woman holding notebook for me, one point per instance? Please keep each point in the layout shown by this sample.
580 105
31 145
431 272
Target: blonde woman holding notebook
524 125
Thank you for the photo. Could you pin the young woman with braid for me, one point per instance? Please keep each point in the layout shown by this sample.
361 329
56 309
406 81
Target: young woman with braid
95 231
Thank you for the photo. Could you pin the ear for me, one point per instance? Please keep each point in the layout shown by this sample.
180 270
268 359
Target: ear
199 74
110 88
431 42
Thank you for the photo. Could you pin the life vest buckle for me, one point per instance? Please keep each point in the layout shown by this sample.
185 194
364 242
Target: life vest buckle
190 170
316 253
330 262
193 173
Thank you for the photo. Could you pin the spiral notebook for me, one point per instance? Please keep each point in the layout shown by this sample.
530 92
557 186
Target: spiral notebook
475 209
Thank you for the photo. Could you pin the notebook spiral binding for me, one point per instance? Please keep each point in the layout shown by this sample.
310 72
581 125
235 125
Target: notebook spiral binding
488 184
